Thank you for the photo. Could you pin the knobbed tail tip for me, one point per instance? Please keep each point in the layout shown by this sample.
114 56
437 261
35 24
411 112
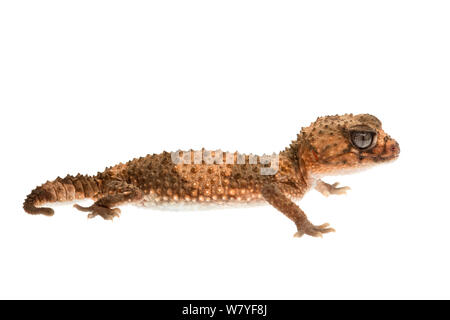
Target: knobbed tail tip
30 208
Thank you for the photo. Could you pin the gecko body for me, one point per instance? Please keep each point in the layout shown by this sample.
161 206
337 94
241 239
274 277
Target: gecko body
329 146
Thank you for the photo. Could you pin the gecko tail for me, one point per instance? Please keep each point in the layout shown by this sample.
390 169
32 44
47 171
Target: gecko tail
30 208
62 189
39 196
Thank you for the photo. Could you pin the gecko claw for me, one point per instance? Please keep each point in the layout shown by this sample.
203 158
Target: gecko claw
335 190
315 231
327 189
96 210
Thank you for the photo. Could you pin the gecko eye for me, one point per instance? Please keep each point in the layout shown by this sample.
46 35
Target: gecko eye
362 139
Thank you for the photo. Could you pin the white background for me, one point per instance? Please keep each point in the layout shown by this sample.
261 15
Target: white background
88 84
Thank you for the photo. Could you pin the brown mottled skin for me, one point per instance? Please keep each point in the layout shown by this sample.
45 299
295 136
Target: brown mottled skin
330 145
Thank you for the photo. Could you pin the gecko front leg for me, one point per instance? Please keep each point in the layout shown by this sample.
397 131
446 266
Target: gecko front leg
327 189
117 192
277 199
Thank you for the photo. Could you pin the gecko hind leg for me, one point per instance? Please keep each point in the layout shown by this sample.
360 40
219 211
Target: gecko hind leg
118 192
327 189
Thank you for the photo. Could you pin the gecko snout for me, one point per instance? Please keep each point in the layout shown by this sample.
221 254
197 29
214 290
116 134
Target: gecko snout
392 150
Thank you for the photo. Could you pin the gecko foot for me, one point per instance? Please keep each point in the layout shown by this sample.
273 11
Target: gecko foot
327 189
314 231
96 210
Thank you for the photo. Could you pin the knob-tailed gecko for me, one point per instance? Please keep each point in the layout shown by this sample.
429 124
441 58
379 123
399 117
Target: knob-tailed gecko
331 145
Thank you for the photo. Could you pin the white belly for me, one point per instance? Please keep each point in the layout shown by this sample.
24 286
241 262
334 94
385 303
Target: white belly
152 202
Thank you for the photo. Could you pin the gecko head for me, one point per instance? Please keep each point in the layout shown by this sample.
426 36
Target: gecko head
344 144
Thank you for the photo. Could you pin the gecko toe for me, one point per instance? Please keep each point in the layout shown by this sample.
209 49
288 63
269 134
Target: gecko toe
299 234
338 191
316 231
81 208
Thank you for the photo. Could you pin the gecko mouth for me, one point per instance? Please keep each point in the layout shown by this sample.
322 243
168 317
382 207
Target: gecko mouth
391 151
388 158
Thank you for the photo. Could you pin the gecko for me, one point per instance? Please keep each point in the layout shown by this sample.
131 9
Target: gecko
331 145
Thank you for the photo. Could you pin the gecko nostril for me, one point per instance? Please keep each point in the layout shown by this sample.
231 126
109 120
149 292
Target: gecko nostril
395 147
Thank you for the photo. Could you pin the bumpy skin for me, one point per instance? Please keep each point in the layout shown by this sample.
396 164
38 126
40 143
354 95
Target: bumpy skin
325 147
